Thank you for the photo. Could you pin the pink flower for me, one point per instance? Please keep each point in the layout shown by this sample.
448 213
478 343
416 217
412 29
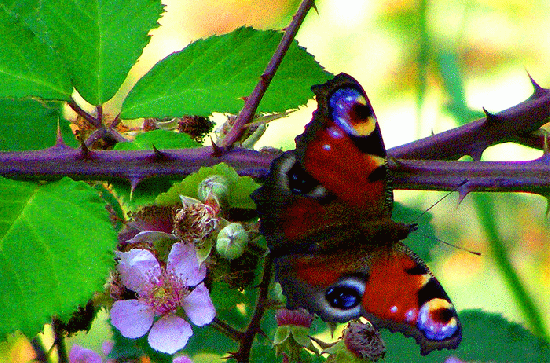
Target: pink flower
182 359
77 354
161 292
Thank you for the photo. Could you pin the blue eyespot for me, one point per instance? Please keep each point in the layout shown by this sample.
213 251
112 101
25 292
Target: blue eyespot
351 112
343 297
437 320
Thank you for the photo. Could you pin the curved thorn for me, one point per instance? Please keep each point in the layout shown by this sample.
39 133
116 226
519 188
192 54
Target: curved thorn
84 152
537 89
134 181
159 155
491 118
216 150
463 190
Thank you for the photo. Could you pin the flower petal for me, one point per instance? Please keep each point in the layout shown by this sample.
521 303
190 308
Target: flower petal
151 237
183 262
132 318
182 359
169 334
83 355
198 306
106 347
137 267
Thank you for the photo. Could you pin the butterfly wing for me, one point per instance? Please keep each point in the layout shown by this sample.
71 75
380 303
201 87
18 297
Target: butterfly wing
391 287
325 211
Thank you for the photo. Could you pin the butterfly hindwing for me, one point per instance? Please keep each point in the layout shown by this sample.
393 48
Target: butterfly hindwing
390 286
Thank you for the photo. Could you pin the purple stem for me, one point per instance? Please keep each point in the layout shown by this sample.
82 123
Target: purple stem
91 119
488 176
517 122
134 166
513 124
247 113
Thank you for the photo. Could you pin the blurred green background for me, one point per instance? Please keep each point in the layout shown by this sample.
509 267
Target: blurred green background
427 66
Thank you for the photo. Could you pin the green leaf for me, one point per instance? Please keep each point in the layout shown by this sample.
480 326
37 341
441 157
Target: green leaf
161 139
31 125
144 194
214 74
26 11
206 339
56 244
99 40
263 351
486 337
28 67
239 187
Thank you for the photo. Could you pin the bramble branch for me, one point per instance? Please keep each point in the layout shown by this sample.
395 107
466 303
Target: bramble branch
133 166
251 104
514 124
518 123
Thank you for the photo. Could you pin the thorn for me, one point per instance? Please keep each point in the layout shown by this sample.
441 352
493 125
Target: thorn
159 155
492 118
134 181
463 190
59 143
157 152
217 151
537 89
84 152
59 138
314 6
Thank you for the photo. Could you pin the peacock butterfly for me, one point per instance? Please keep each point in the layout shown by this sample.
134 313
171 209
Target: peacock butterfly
325 210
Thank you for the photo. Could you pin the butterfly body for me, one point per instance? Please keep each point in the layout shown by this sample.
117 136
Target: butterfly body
325 211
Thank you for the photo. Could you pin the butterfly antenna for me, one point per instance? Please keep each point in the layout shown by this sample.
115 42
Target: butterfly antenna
443 197
439 240
459 247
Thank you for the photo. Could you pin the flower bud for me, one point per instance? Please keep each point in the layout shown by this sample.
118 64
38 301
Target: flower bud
195 222
292 335
298 317
214 186
360 343
364 341
232 241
